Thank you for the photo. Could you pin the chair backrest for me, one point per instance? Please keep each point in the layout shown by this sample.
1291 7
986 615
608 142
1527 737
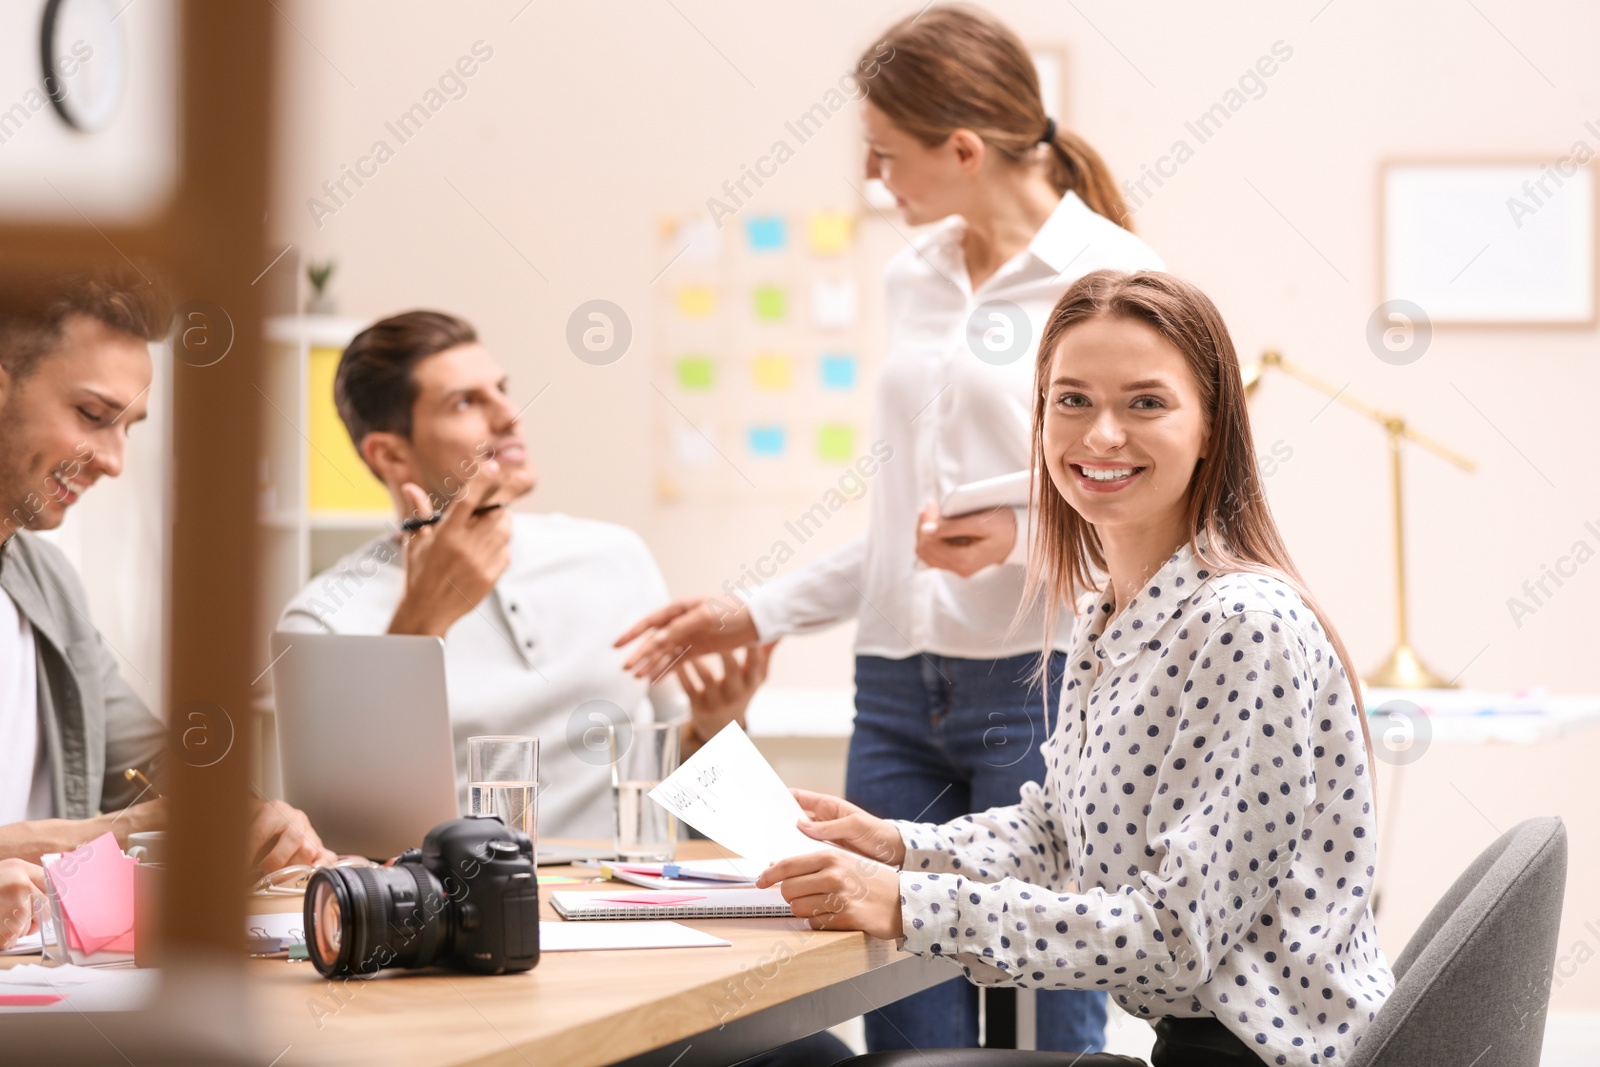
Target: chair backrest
1473 983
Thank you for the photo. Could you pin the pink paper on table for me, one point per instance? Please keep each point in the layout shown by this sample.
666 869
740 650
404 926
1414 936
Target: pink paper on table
30 1000
653 898
95 885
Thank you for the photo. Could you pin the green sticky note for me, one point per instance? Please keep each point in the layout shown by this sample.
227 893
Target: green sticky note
696 372
836 443
772 303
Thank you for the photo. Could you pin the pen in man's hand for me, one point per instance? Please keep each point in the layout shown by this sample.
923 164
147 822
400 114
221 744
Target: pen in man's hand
413 525
132 775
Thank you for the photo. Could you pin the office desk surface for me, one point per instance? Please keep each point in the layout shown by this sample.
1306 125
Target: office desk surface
581 1008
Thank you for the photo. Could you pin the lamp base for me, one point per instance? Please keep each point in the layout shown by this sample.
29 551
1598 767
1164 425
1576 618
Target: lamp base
1404 670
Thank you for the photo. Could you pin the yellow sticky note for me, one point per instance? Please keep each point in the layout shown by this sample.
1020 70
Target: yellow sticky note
696 301
828 232
773 371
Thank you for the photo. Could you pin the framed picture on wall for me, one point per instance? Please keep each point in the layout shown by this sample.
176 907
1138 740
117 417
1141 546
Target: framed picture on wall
1507 242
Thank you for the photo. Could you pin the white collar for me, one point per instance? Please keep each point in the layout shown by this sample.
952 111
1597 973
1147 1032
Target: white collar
1058 242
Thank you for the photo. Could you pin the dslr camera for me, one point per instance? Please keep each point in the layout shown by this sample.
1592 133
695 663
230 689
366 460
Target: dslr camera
467 899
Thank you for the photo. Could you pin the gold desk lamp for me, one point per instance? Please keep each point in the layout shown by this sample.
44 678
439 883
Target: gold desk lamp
1402 669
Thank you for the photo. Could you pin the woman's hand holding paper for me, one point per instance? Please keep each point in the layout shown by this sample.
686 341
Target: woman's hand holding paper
832 889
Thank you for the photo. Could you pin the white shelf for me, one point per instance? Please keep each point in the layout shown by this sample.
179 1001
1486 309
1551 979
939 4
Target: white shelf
317 331
1475 716
349 520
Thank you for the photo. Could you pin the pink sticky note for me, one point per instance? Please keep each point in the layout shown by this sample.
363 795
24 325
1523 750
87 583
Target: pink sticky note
652 898
30 1000
95 885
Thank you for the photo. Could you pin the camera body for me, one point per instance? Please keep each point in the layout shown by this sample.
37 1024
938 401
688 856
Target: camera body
467 899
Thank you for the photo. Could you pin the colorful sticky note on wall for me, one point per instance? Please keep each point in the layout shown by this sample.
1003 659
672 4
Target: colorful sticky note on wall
694 446
829 232
772 303
696 372
337 478
838 370
834 303
696 301
765 233
773 371
695 241
836 442
766 440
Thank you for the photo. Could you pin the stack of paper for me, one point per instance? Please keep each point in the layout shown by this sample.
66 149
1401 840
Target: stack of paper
35 987
91 899
583 937
656 904
735 872
26 945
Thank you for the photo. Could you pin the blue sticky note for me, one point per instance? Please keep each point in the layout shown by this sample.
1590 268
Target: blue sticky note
765 232
838 370
766 440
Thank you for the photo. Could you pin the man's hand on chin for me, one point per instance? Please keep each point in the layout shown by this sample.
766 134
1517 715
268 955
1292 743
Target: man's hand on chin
452 565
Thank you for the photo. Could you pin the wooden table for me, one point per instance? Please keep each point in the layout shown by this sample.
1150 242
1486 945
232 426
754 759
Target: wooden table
683 1007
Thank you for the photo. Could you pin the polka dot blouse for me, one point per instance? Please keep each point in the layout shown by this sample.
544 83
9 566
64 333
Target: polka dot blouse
1203 843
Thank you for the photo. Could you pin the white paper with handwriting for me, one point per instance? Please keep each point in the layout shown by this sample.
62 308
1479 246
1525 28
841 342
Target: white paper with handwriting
730 793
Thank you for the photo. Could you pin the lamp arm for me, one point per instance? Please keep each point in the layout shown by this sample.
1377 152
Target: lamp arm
1383 418
1437 449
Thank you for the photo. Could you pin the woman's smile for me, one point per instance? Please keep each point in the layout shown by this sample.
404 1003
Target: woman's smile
1105 478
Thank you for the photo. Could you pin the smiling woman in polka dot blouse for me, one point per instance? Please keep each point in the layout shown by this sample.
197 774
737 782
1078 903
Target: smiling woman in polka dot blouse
1203 845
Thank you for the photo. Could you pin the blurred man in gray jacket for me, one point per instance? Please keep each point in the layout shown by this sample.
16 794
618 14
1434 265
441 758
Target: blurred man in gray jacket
75 370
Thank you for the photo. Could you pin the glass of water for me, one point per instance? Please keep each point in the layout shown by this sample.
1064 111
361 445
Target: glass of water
642 754
503 780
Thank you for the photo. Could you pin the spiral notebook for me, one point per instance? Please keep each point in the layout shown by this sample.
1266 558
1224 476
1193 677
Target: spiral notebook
660 904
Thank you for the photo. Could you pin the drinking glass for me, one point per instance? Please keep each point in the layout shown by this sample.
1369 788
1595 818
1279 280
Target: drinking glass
503 780
642 754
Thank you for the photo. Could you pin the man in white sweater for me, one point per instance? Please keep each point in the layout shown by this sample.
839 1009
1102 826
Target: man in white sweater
527 604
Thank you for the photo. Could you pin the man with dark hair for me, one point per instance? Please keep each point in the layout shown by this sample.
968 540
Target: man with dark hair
74 373
527 603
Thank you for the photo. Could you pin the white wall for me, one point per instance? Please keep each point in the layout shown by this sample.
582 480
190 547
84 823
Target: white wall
592 120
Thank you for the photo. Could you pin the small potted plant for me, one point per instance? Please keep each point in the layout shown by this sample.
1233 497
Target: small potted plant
321 302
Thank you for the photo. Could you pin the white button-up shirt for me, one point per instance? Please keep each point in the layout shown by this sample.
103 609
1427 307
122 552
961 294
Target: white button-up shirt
25 778
1207 798
949 416
532 655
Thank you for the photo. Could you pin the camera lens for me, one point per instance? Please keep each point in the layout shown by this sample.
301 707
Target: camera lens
361 919
325 907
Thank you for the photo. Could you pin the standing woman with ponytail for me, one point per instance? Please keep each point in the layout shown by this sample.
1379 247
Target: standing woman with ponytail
949 716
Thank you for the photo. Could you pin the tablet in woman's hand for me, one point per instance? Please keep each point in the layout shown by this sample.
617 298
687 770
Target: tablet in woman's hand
1006 491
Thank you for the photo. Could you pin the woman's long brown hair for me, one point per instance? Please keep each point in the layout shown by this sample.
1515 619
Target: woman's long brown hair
956 67
1229 524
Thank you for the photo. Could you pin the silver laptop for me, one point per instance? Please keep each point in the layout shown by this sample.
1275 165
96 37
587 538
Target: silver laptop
364 741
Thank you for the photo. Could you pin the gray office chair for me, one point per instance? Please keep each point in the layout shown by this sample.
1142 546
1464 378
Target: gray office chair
1471 986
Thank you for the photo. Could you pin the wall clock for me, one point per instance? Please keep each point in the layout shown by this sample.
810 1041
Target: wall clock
84 54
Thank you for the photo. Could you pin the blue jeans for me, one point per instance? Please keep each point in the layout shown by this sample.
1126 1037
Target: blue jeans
936 738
